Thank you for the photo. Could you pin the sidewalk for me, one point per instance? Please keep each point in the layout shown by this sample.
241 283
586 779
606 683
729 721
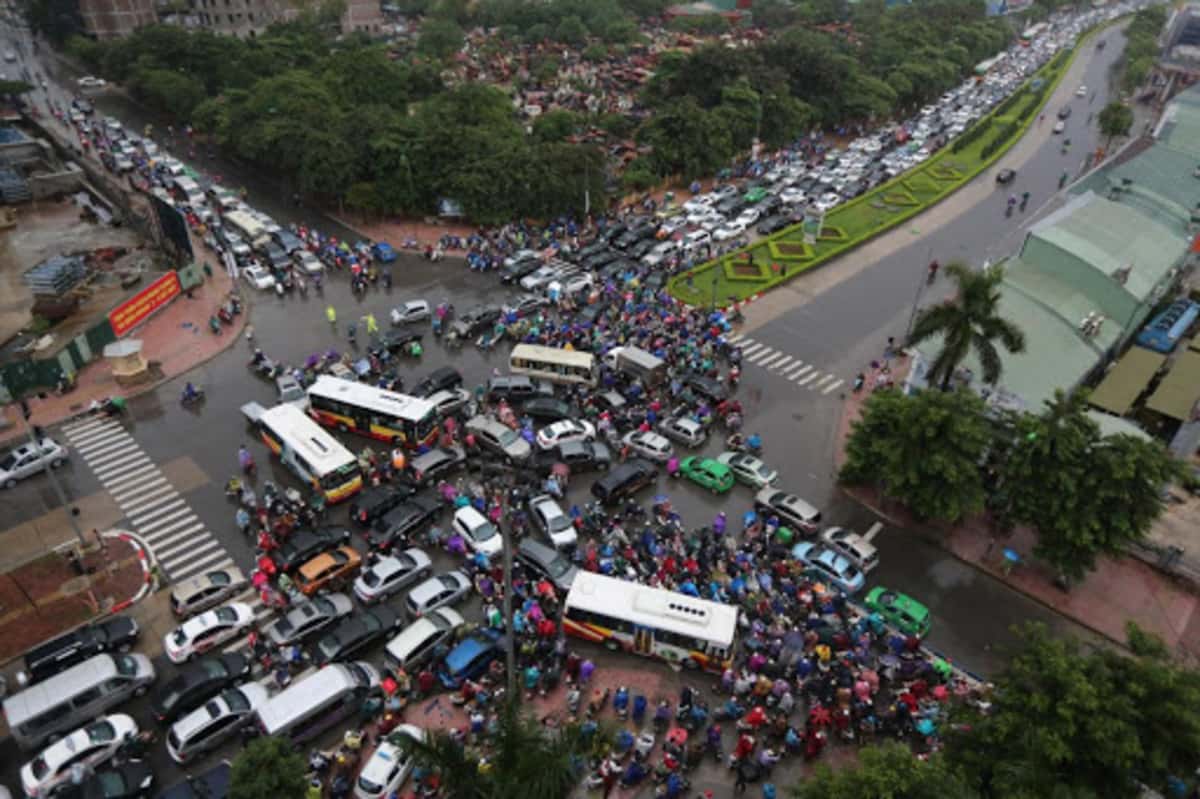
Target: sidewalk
47 596
1118 591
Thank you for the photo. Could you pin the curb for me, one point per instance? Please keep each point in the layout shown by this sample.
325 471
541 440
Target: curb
149 583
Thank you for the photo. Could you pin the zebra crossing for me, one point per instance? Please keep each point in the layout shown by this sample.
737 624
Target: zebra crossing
804 375
181 544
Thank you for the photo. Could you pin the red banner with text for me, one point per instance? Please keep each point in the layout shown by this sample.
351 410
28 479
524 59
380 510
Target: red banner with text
133 311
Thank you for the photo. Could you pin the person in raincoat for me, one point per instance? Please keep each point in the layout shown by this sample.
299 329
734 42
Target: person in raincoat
372 325
331 315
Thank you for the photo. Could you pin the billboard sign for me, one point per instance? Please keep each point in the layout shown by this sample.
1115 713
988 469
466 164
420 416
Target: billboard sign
136 309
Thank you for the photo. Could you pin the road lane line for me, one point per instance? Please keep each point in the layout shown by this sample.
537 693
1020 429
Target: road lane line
170 540
184 511
114 459
139 519
803 371
809 379
126 494
127 473
795 369
829 389
101 443
778 367
155 498
195 546
197 566
752 348
97 454
762 355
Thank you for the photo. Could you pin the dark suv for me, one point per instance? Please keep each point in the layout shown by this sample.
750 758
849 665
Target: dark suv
369 505
513 272
442 379
400 522
624 480
117 634
432 464
475 320
516 388
303 545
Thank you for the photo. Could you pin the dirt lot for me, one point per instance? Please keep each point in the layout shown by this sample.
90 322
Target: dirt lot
43 230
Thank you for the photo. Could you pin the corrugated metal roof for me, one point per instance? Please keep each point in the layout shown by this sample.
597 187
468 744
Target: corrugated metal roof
1176 395
1122 385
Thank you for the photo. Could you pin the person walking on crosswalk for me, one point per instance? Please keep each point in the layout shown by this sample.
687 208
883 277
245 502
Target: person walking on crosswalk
331 315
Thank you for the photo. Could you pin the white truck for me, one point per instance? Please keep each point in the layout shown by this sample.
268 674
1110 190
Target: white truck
637 363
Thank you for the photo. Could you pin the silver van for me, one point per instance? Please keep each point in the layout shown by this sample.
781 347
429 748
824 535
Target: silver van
74 697
417 641
314 703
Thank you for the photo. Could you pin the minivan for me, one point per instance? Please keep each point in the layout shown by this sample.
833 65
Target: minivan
421 639
315 703
76 696
624 480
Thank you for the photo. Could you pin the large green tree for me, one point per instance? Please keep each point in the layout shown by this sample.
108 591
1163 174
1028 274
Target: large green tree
1086 495
268 768
885 771
969 322
1115 119
923 450
1068 723
525 759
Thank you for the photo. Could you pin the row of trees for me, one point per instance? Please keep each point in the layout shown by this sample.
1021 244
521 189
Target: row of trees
1141 45
946 456
1064 722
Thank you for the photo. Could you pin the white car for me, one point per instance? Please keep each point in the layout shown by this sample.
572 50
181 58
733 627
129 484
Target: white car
411 311
729 230
522 255
92 82
701 215
308 263
571 286
29 459
1081 91
87 746
749 216
201 633
390 573
858 550
544 274
748 469
650 446
214 722
203 591
259 277
549 516
828 201
552 435
479 533
449 401
684 430
792 196
387 768
673 225
698 202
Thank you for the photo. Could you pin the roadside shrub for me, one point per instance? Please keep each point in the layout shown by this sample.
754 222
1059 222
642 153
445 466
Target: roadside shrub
970 136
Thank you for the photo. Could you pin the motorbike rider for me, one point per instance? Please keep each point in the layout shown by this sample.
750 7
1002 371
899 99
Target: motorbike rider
1024 198
754 442
245 460
933 269
190 393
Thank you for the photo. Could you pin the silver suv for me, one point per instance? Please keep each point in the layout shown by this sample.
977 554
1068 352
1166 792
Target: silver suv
499 438
29 459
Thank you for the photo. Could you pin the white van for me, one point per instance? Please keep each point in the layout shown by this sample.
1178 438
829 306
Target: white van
76 696
314 703
417 641
697 238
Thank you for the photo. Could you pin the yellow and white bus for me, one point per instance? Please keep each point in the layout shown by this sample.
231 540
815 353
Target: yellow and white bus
553 364
680 629
398 419
311 453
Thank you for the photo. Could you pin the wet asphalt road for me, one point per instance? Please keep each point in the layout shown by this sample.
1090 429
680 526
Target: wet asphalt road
972 612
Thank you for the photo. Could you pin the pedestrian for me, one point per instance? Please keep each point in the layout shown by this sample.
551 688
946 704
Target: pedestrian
743 776
331 315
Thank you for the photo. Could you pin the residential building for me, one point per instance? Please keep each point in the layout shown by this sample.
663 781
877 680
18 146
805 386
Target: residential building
111 19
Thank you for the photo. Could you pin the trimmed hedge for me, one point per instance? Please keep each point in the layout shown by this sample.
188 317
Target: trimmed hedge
971 135
1006 132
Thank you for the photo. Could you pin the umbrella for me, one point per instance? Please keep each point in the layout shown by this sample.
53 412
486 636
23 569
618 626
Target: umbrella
820 716
925 727
940 693
560 470
677 736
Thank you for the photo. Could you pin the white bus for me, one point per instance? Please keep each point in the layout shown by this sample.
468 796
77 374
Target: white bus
677 628
398 419
553 364
312 454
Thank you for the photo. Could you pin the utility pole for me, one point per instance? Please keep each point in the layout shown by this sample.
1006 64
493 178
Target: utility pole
912 316
510 651
26 412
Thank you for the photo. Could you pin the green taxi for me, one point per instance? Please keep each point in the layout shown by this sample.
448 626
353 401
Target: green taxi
900 610
756 194
706 472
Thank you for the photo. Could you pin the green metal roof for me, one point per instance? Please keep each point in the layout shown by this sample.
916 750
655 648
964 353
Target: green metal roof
1176 395
1179 128
1127 380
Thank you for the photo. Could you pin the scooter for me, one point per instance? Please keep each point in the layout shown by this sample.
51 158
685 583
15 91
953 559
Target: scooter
194 397
214 324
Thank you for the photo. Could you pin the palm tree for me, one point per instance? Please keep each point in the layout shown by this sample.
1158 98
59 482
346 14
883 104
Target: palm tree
968 321
525 759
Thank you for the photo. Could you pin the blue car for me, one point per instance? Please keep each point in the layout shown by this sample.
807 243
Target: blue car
471 657
826 564
383 252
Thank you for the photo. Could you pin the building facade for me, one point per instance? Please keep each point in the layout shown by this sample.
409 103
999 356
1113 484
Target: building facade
111 19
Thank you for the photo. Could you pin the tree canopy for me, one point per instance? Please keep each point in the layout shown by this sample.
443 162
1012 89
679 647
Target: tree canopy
268 768
1115 119
885 771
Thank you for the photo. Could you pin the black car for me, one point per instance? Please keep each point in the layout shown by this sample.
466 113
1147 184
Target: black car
195 683
401 521
303 545
579 456
546 410
600 259
730 205
131 779
625 480
211 784
713 391
117 634
594 248
643 247
362 629
441 379
397 340
288 240
276 257
373 502
772 224
611 232
1064 112
1005 176
513 272
635 234
475 320
516 388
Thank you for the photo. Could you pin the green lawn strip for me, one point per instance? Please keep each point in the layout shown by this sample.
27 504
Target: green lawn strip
877 211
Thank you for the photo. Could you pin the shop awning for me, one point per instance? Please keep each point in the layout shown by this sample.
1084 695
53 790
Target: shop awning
1176 395
1122 385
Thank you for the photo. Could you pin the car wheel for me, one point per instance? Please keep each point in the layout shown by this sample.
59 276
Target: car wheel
124 649
612 645
10 483
140 690
56 463
341 428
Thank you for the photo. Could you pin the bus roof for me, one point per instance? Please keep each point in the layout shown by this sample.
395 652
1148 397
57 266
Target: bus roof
322 451
654 607
376 399
567 357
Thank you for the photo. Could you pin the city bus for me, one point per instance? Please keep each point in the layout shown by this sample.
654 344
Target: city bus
680 629
553 364
311 453
399 419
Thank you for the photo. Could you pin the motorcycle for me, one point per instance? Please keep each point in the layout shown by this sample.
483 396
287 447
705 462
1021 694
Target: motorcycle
224 315
214 324
195 396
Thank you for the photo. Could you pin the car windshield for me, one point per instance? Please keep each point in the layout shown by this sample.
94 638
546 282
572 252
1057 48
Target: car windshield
369 787
101 732
558 523
508 438
236 700
219 578
10 460
557 566
213 667
226 614
448 582
370 578
484 532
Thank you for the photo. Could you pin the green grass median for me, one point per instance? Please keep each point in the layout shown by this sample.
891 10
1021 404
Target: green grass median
783 256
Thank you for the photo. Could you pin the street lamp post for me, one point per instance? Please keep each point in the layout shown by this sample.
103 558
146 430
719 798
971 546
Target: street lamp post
912 316
62 497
